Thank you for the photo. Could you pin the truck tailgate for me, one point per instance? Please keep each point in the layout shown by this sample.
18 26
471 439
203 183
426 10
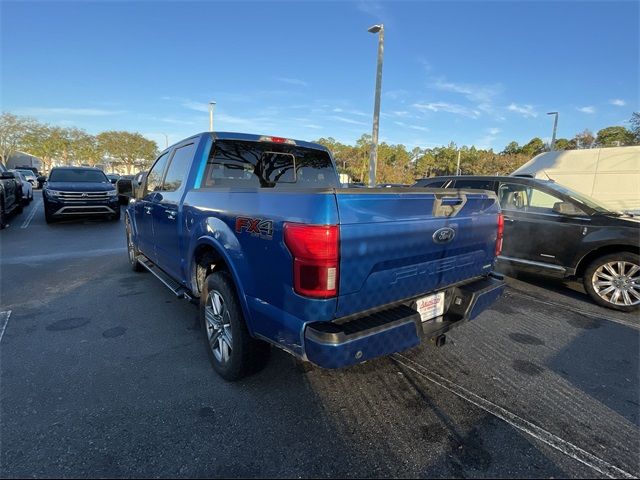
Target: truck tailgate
387 246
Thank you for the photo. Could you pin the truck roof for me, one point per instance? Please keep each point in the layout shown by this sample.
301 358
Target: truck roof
250 137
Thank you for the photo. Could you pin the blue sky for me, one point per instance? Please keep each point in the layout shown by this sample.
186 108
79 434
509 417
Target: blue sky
482 73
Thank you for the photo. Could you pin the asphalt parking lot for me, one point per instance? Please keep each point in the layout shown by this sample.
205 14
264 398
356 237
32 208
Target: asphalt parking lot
104 373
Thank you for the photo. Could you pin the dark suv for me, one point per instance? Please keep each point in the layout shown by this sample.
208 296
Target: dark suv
10 195
553 230
79 191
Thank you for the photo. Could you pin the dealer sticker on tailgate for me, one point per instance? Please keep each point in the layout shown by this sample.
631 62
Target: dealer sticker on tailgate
431 306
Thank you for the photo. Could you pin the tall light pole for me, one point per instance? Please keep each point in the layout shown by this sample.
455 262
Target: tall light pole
212 105
379 29
555 127
458 165
166 140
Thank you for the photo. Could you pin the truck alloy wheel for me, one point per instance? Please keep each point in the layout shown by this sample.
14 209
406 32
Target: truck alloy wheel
614 281
232 351
218 323
132 251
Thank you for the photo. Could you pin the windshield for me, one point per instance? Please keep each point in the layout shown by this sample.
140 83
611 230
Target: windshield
77 175
579 197
26 172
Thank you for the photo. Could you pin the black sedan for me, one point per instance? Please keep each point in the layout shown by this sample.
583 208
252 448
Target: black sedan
553 230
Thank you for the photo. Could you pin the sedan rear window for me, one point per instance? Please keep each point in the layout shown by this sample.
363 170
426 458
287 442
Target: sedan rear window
77 175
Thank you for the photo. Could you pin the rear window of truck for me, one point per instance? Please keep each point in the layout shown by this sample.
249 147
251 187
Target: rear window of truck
268 165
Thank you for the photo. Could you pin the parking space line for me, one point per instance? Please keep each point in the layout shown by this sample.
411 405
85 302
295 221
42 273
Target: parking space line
4 319
517 292
32 214
516 421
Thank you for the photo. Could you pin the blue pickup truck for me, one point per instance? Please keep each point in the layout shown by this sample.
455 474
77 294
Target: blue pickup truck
258 231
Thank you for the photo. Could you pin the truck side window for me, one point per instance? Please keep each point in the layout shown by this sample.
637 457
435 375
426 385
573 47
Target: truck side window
154 178
178 168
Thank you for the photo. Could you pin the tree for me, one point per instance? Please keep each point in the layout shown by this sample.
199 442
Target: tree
84 149
46 142
127 149
635 126
564 144
12 132
534 147
584 139
512 148
615 136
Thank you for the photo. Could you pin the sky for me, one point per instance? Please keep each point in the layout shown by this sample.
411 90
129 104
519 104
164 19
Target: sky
481 73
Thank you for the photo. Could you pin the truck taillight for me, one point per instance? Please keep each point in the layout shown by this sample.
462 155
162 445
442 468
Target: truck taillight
500 234
315 250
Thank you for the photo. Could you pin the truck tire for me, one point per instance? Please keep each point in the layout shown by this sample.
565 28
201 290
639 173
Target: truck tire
3 216
132 250
613 281
232 351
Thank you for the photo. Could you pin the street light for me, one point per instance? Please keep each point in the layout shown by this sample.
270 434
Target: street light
212 105
379 29
166 140
555 127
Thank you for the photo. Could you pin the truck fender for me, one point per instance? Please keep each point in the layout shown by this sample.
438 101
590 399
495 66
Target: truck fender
226 245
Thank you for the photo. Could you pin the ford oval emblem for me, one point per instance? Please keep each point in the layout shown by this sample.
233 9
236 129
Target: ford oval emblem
444 235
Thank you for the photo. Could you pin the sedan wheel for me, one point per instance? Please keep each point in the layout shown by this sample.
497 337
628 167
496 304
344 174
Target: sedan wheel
613 281
218 323
618 283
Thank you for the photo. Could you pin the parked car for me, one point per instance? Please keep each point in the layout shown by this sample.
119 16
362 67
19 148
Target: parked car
610 175
28 175
10 195
259 230
551 229
73 191
25 186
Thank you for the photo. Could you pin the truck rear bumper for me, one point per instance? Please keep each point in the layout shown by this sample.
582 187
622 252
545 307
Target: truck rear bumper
343 343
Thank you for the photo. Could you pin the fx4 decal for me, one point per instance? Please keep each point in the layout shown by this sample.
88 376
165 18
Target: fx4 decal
255 226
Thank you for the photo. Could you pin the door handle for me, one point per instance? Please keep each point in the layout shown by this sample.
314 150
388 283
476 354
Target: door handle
147 210
507 219
171 215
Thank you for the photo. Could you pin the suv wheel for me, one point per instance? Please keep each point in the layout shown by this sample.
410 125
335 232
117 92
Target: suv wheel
613 281
233 353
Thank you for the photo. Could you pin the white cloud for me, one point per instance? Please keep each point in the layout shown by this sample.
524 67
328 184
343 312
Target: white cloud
524 110
83 112
476 93
587 109
396 94
292 81
449 108
418 127
346 120
618 102
486 142
352 112
372 7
